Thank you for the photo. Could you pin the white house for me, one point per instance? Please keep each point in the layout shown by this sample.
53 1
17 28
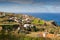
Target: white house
18 28
2 14
26 25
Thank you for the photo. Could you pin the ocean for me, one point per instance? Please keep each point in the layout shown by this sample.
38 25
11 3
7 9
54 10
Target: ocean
47 16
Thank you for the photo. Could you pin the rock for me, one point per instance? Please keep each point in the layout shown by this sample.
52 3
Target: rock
50 23
54 23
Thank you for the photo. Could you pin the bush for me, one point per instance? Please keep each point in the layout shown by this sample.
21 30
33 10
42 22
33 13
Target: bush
52 31
10 27
42 29
9 36
4 36
35 21
34 28
41 22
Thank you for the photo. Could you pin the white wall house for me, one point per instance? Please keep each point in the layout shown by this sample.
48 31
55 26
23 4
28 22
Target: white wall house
26 25
2 14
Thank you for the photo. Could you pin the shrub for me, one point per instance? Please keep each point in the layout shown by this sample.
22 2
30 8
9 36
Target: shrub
20 36
52 31
41 22
35 21
42 29
34 28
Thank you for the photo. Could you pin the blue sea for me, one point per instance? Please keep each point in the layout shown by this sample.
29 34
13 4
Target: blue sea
47 16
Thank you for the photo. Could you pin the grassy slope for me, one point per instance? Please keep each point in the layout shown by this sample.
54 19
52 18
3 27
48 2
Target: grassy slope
35 21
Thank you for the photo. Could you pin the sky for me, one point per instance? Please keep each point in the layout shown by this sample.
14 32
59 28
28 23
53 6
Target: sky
30 6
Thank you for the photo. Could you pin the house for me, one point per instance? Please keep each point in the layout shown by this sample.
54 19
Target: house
30 27
25 16
26 19
2 14
14 19
11 19
26 25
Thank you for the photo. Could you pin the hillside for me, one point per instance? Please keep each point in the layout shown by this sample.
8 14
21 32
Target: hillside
6 16
27 24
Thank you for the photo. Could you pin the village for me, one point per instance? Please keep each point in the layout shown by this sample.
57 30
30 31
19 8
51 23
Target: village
24 22
28 25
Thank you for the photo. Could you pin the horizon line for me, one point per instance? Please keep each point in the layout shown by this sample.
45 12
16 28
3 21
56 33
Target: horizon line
30 12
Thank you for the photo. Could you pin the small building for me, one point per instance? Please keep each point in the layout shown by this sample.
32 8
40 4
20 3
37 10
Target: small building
2 14
25 16
26 25
28 20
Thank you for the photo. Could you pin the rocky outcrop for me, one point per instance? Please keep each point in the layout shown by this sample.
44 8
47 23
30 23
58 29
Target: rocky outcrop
50 23
53 23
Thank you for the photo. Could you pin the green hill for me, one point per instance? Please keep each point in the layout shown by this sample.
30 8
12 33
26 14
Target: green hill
11 21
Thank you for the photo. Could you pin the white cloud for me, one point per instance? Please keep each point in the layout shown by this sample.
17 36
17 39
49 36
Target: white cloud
34 9
41 7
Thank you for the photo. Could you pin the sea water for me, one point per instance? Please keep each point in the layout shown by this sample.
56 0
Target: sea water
47 16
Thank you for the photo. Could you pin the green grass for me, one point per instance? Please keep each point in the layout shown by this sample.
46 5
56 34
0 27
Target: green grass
20 37
36 21
41 22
